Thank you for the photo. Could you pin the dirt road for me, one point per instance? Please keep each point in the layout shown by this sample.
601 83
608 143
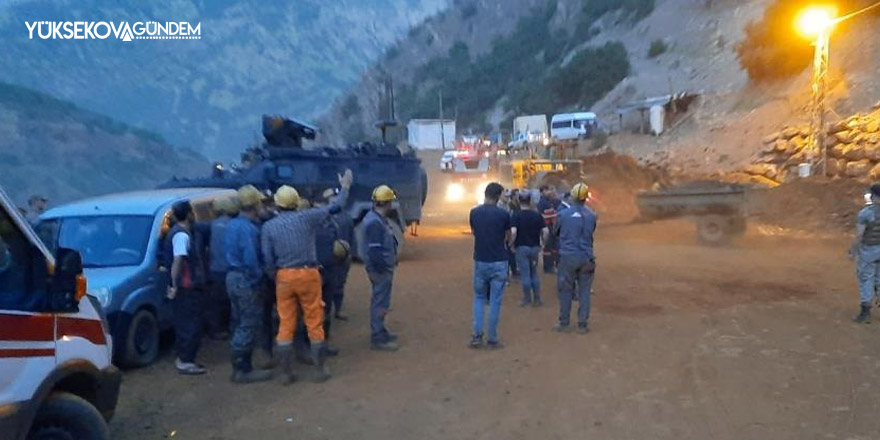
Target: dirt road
748 342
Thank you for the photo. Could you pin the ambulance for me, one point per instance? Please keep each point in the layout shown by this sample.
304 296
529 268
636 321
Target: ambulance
56 376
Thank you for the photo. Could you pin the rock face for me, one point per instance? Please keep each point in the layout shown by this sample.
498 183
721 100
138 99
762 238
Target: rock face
254 57
853 148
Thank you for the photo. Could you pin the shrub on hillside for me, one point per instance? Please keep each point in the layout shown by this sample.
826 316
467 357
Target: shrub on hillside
658 47
590 75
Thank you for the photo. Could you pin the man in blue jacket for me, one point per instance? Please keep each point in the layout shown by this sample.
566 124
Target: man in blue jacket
577 262
381 258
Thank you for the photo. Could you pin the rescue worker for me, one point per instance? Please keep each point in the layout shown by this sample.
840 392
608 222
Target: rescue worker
185 291
491 228
244 283
288 245
381 259
343 226
529 232
866 249
217 307
577 263
506 203
548 206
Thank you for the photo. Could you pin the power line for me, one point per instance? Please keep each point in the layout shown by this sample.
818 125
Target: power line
859 12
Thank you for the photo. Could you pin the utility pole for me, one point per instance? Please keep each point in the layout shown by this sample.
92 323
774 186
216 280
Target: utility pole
820 73
442 125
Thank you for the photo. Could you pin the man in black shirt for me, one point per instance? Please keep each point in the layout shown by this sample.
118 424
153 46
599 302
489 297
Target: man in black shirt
491 228
529 234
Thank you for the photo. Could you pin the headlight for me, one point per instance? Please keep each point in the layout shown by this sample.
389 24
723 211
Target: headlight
454 192
102 294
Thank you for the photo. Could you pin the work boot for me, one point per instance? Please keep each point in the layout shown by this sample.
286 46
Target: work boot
321 374
284 355
304 357
243 371
330 351
385 346
559 328
864 316
583 328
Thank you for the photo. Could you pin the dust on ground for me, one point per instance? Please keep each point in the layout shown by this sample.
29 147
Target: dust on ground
688 342
812 204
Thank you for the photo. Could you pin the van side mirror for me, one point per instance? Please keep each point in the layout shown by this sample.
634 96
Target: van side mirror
68 285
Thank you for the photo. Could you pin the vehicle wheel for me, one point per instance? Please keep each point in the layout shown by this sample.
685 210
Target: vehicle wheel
713 229
738 226
64 416
142 340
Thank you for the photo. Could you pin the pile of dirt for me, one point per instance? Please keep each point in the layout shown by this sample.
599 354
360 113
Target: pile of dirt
814 204
616 179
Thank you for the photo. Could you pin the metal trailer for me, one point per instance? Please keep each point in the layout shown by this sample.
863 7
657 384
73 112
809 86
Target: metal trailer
720 210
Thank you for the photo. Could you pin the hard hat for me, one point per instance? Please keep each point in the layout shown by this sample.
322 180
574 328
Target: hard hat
580 192
231 207
383 193
286 197
249 196
341 249
328 193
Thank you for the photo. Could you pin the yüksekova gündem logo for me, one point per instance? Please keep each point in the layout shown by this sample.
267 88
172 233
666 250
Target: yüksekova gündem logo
123 30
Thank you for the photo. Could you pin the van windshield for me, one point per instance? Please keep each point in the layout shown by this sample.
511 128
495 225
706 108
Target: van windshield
103 241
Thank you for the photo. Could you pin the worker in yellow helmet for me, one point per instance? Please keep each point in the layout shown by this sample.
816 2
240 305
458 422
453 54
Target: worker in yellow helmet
380 259
575 227
245 284
290 257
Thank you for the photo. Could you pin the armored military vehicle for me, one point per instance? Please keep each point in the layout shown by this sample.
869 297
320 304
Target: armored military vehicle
283 160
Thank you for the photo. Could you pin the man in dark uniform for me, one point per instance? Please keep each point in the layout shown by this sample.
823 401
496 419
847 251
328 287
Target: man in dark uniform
184 245
380 262
217 307
548 207
344 228
866 249
577 263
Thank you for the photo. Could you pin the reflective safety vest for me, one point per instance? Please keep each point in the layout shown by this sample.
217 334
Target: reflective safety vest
871 237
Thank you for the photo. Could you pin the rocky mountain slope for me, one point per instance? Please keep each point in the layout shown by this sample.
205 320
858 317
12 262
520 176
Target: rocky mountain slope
676 46
254 57
493 60
54 148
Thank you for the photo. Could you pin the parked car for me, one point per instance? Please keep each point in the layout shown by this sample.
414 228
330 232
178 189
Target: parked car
572 126
56 376
119 237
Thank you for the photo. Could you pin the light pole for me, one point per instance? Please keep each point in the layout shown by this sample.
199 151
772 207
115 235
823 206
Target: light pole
817 22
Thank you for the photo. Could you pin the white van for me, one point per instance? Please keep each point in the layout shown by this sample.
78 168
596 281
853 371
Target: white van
572 126
56 376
